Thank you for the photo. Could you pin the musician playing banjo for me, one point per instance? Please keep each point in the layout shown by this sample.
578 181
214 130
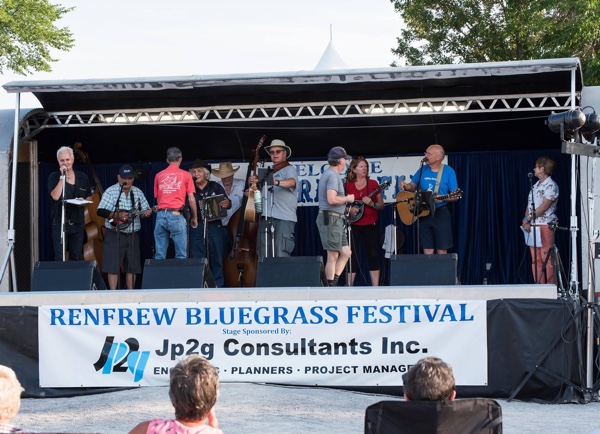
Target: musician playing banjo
364 217
435 231
122 205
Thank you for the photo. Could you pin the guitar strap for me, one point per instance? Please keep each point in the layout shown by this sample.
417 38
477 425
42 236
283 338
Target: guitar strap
438 179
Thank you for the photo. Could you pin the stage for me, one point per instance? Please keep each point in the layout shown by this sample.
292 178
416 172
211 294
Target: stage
529 330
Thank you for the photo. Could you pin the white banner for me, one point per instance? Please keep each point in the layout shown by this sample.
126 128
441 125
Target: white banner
380 169
336 343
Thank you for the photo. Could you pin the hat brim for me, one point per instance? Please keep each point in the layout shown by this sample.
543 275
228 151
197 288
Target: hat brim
225 172
288 150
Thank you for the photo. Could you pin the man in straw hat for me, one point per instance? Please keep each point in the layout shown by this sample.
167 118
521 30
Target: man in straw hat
215 231
233 187
279 204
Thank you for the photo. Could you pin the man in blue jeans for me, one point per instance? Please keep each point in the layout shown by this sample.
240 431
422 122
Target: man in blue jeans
171 187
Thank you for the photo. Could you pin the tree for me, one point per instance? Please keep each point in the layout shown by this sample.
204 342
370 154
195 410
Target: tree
28 33
456 31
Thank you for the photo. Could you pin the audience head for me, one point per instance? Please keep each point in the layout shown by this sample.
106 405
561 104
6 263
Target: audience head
430 379
10 394
193 388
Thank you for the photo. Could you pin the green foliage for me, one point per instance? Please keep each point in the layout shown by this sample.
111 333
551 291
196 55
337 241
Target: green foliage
28 33
457 31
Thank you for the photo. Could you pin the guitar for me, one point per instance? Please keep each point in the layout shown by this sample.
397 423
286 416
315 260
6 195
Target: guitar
119 224
361 205
405 201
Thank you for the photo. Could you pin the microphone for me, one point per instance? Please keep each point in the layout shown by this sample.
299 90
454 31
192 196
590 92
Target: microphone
530 175
64 172
124 183
194 178
424 160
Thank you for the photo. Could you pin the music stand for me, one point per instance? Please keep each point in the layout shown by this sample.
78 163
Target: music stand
424 202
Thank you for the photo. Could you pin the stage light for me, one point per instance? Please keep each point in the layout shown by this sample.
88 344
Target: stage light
567 122
592 125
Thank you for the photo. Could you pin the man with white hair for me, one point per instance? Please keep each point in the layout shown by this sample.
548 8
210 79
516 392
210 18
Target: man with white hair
216 232
10 399
77 186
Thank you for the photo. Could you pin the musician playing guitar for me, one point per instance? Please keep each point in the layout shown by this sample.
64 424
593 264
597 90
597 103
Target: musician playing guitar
435 229
364 229
122 205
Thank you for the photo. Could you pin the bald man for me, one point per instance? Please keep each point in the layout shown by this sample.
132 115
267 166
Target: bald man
435 231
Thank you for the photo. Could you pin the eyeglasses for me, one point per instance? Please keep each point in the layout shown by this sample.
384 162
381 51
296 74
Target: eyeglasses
275 151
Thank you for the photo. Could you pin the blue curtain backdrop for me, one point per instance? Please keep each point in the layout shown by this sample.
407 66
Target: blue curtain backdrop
485 221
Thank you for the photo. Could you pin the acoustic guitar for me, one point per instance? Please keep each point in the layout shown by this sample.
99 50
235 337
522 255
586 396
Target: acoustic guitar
405 201
361 205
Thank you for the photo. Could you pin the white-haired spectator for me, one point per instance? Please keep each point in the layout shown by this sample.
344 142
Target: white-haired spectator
10 399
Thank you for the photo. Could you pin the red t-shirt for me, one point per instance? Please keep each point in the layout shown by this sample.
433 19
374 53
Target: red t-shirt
171 187
370 214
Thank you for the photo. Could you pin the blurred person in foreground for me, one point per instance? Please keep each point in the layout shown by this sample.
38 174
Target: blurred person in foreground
430 379
10 399
193 389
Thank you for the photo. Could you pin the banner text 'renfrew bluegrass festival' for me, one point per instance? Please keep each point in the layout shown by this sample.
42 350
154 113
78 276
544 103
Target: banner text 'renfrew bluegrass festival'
340 342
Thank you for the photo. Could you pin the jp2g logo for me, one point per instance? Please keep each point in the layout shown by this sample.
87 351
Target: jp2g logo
119 357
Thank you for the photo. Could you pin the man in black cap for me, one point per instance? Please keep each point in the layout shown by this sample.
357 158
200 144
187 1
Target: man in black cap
330 220
218 240
122 205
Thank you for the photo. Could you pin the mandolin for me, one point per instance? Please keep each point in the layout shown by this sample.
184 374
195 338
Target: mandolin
361 205
120 224
405 201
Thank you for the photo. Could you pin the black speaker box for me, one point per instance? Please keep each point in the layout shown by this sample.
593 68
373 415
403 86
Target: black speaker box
423 270
66 276
290 272
177 273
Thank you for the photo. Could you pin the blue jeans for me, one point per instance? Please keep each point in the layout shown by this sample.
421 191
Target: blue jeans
218 246
173 226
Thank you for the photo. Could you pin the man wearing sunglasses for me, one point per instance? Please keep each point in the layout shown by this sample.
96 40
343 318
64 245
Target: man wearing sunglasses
279 204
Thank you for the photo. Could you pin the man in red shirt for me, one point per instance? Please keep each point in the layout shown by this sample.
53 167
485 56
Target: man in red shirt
171 187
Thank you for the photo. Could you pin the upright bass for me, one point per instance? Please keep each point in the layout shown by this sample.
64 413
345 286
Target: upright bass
239 265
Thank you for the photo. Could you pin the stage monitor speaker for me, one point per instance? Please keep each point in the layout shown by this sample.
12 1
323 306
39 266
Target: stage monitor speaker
66 276
423 270
290 272
177 273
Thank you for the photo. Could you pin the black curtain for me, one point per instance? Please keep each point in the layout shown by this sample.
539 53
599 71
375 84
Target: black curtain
485 221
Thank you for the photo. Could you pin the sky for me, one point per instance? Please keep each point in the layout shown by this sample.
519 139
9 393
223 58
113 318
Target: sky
130 38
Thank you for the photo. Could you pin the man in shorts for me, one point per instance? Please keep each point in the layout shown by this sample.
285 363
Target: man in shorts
330 220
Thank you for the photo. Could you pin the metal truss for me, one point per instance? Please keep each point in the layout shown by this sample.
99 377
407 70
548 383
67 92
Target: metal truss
302 111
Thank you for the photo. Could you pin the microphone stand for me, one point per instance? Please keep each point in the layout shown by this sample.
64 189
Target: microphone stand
204 208
63 225
417 208
348 225
118 229
268 202
534 228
